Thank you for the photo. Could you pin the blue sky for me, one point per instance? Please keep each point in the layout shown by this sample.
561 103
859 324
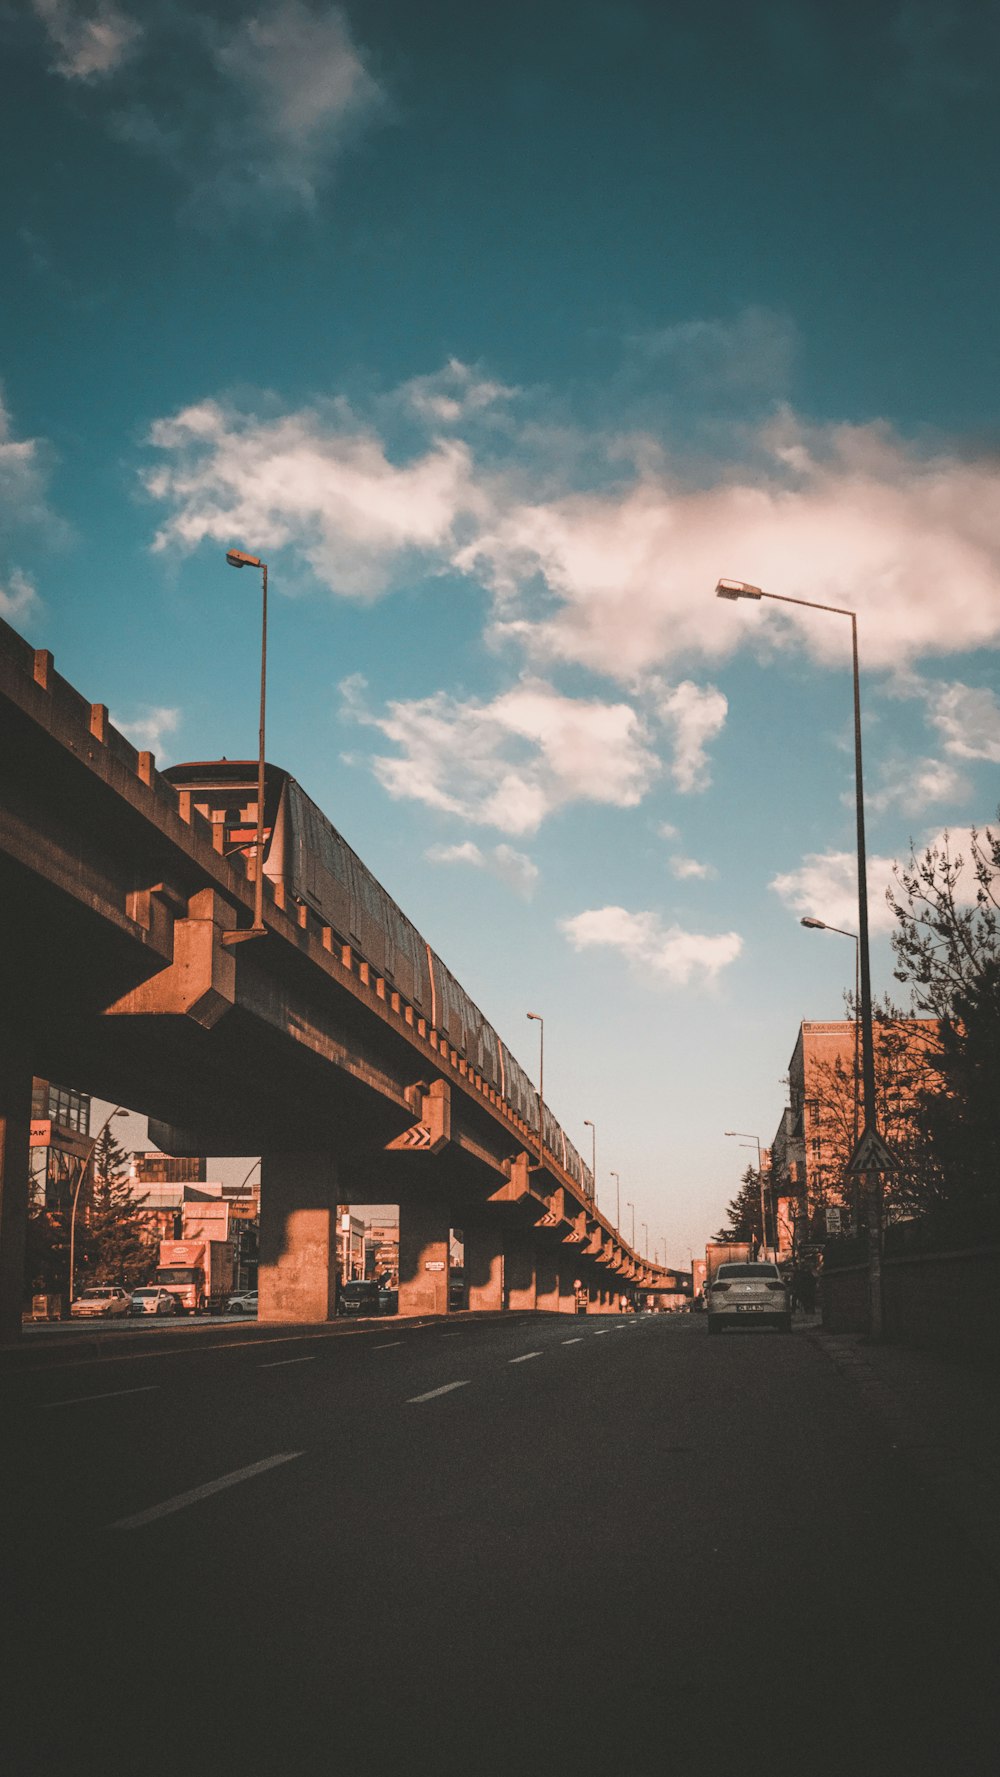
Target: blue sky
503 332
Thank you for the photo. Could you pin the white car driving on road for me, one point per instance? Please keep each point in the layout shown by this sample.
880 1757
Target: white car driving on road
748 1295
106 1300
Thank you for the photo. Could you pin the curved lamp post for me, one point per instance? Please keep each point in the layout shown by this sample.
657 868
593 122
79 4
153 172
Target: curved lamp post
870 1156
119 1111
237 558
587 1124
618 1201
760 1186
820 925
540 1021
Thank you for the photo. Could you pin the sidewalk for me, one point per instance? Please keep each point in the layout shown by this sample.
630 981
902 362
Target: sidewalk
940 1416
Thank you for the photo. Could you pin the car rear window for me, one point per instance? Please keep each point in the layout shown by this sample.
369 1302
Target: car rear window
728 1272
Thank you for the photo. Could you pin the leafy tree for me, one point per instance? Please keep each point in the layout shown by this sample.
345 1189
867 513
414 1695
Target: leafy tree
743 1213
113 1248
904 1051
945 940
46 1259
948 950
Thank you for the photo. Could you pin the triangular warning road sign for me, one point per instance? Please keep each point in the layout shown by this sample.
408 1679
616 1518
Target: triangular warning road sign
872 1154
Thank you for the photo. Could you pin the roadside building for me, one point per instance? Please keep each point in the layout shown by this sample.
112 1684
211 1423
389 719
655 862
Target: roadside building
350 1244
813 1191
382 1250
60 1143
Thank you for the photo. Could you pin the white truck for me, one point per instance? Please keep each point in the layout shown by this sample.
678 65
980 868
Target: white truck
198 1273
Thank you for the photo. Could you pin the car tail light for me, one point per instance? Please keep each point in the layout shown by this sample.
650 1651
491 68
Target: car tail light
720 1287
776 1286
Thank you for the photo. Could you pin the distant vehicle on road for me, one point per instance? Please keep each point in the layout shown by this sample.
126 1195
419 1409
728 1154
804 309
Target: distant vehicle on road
198 1273
360 1296
748 1295
245 1302
106 1300
153 1300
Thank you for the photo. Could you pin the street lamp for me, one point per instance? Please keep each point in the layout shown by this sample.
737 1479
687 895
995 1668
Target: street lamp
540 1021
645 1240
631 1206
237 558
870 1155
587 1124
119 1111
618 1201
760 1184
820 925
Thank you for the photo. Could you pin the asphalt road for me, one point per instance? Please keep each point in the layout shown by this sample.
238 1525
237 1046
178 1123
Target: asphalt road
547 1544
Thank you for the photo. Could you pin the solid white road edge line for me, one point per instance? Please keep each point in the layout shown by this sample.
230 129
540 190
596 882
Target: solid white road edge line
76 1400
180 1500
433 1393
524 1357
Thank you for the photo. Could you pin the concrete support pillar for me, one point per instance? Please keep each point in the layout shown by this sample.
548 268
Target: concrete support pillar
424 1229
569 1268
484 1267
519 1270
15 1128
297 1274
547 1280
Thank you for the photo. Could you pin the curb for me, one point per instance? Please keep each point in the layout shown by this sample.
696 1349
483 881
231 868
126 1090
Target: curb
105 1347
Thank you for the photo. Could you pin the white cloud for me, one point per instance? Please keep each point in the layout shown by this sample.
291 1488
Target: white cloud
22 473
690 870
149 727
694 715
914 784
844 515
825 886
296 82
826 883
316 480
666 953
18 598
666 830
969 719
512 867
453 394
511 762
251 112
754 351
90 41
618 577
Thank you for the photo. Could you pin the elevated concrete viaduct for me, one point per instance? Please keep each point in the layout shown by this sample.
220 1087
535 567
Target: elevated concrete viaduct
119 975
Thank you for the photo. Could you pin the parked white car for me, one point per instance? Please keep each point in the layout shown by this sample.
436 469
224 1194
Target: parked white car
244 1302
748 1295
102 1299
153 1300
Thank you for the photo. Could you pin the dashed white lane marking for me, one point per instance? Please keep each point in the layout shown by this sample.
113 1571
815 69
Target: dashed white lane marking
523 1359
601 1332
573 1341
112 1394
390 1345
279 1363
432 1393
180 1500
451 1335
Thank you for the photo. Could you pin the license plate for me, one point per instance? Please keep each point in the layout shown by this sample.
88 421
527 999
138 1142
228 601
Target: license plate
750 1308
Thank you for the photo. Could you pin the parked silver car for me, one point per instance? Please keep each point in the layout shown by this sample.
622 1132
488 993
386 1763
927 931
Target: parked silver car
242 1302
748 1295
104 1300
153 1300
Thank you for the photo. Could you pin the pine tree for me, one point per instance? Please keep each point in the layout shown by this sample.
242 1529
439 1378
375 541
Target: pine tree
113 1248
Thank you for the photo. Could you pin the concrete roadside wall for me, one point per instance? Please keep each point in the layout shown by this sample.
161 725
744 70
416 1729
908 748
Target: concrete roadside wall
931 1299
